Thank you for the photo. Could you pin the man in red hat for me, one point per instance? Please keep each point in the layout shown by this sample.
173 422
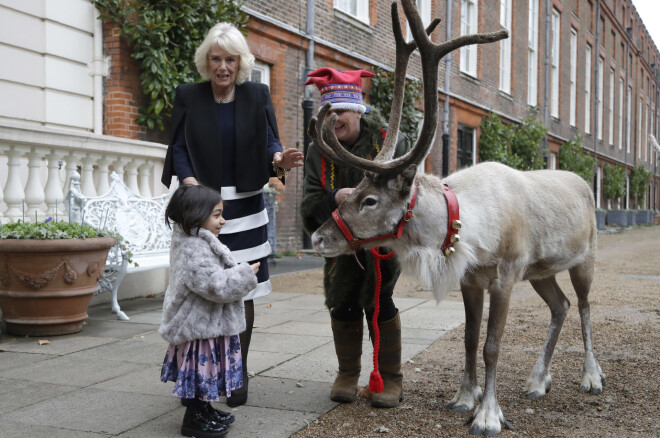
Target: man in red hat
349 290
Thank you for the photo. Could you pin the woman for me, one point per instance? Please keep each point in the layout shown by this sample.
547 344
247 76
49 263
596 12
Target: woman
349 290
224 136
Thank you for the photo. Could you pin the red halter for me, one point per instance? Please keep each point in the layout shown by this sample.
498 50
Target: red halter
396 234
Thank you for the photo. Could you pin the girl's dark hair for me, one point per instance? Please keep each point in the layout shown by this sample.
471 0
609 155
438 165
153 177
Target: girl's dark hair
190 206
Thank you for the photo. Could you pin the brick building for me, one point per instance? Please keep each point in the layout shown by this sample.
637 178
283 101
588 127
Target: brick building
582 67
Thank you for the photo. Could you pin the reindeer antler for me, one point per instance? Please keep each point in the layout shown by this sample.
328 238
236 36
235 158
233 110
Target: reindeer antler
431 54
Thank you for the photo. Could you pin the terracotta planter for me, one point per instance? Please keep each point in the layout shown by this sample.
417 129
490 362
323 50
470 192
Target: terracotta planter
46 285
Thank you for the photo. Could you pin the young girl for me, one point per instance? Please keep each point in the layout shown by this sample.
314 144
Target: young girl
203 311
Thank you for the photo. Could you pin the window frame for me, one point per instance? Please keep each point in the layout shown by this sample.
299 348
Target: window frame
265 69
554 62
587 89
505 47
361 9
533 53
469 24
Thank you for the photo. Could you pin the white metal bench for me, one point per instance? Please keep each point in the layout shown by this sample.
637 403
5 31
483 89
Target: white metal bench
140 221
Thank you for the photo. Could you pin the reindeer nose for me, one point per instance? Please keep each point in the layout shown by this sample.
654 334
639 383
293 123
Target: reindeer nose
317 241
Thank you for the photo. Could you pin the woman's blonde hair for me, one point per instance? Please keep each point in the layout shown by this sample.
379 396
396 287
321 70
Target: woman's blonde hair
230 39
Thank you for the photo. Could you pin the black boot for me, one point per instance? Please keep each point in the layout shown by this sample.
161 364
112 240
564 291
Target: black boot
219 416
196 423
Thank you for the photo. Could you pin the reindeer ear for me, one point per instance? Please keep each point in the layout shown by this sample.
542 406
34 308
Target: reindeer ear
403 182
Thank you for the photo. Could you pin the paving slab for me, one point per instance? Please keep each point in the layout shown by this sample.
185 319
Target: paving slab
105 412
67 371
16 394
115 329
297 328
259 361
57 345
20 430
266 318
133 350
9 359
290 394
145 380
284 343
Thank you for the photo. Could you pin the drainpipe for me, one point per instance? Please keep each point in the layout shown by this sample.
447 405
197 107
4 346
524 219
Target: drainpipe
655 133
546 79
308 101
595 100
626 121
446 137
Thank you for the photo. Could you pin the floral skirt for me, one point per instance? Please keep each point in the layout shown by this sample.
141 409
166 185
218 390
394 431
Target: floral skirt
205 369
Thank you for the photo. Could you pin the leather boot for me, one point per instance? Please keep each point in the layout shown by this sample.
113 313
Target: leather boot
348 346
389 363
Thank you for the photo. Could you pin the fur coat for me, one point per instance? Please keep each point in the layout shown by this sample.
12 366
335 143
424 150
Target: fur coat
204 297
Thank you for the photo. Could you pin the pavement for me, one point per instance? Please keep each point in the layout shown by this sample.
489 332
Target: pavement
105 380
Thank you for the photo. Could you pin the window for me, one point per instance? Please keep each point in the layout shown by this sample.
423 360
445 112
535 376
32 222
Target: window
628 118
465 152
573 91
587 90
611 109
553 161
260 73
639 129
554 78
469 21
505 47
645 137
533 53
356 8
424 8
599 107
621 100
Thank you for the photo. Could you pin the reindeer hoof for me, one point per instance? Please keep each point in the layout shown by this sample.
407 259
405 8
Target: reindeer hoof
459 409
534 395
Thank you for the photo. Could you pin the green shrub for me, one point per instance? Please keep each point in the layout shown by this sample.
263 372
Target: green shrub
639 182
516 145
614 181
573 158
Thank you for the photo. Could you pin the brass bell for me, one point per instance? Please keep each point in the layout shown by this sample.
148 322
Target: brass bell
456 224
455 238
449 251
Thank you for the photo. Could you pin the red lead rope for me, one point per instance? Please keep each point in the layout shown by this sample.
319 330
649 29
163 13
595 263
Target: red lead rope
375 380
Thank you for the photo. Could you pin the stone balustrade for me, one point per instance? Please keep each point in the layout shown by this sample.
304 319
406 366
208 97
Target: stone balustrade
36 163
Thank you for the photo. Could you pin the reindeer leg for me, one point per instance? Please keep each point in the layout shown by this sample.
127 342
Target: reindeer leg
470 392
540 380
488 417
593 378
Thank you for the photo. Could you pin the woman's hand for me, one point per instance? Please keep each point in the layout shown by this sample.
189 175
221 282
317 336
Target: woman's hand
288 159
255 267
190 181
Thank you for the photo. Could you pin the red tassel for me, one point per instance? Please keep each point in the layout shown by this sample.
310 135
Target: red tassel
376 382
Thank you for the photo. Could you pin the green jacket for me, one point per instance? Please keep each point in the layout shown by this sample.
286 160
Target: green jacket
343 275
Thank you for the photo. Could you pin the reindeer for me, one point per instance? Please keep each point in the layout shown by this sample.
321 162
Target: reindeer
513 226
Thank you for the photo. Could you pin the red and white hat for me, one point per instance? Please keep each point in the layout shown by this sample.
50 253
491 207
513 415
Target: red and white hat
343 89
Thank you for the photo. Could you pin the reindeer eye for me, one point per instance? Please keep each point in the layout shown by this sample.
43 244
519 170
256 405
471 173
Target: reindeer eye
369 201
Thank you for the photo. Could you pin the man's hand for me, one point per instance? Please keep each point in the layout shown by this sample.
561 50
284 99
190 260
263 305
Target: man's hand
342 194
190 181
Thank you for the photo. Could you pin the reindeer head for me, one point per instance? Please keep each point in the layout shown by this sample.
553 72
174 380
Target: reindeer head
381 199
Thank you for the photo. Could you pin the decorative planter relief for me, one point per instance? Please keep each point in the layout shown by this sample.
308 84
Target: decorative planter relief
46 285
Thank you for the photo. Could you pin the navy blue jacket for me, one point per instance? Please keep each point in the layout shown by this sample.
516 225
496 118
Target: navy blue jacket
195 107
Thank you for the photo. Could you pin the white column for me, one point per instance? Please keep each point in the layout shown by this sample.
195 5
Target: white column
14 193
87 175
144 174
54 194
131 175
119 164
103 185
72 160
34 190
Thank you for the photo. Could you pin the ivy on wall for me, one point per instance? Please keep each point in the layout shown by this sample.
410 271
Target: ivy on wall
516 145
381 94
163 36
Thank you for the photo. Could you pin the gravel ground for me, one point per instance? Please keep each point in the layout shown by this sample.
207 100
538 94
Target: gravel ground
625 315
